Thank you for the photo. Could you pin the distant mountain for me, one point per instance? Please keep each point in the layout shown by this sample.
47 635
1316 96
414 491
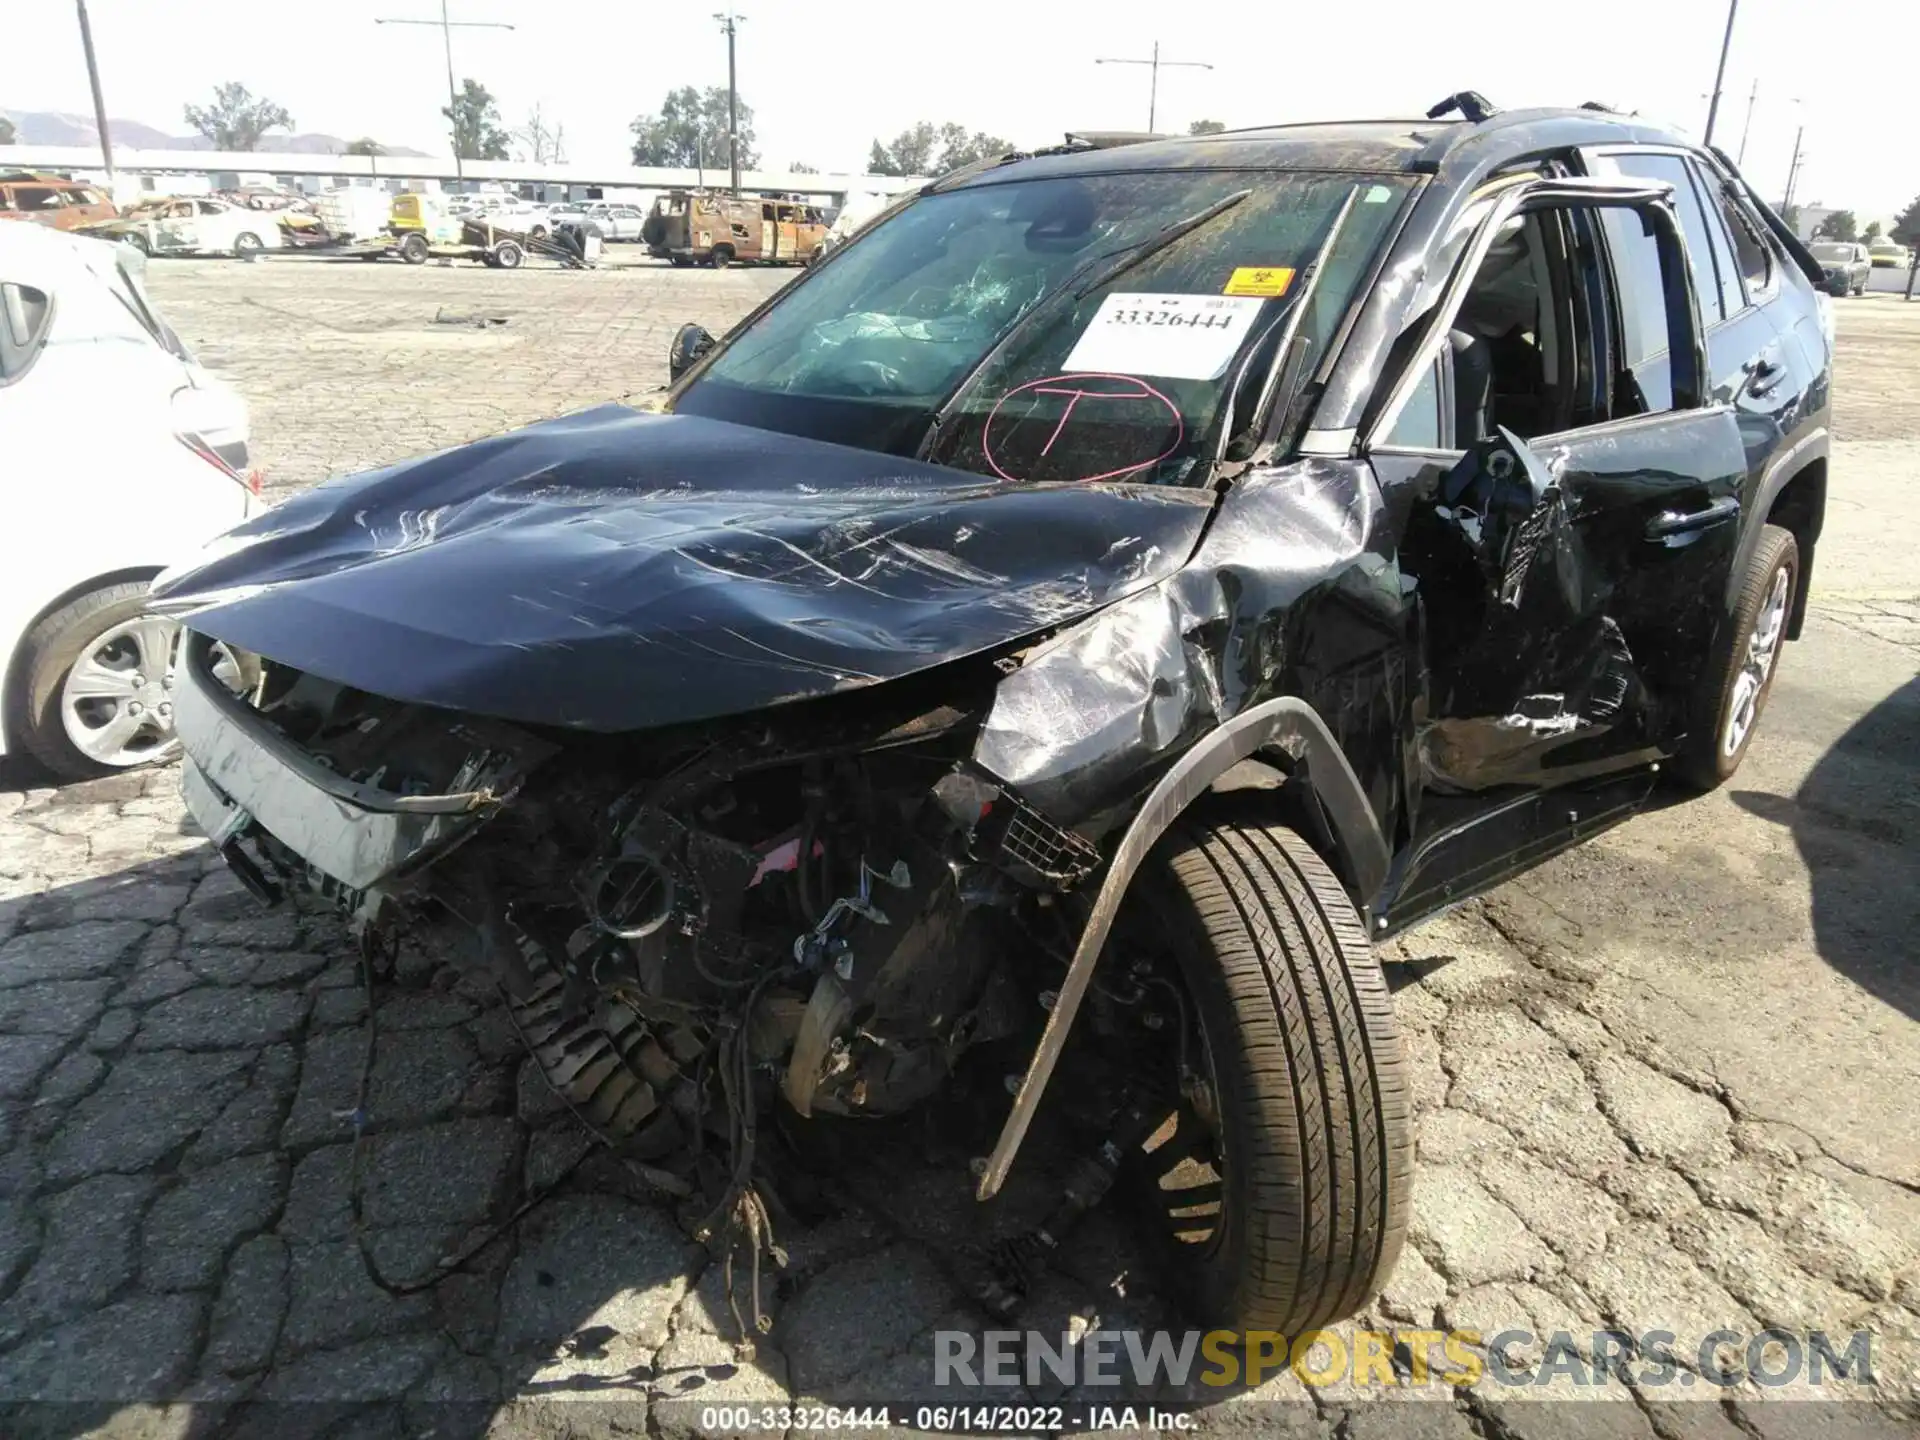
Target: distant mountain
54 127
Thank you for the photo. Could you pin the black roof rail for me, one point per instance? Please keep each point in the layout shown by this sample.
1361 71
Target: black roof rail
1472 105
1110 139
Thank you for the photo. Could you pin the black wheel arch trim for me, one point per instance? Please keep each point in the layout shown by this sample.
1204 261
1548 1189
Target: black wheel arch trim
1286 724
1785 468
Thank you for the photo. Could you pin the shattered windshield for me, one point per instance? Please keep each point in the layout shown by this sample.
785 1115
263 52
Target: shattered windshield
997 308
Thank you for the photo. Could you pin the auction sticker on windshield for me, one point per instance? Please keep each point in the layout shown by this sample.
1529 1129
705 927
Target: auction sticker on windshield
1180 337
1266 281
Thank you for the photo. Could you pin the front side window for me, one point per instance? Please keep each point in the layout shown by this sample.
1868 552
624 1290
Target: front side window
1418 427
993 322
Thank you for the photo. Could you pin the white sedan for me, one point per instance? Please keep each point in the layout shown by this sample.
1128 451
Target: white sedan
197 226
122 456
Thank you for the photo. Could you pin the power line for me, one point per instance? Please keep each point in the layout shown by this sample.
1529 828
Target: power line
1156 63
447 28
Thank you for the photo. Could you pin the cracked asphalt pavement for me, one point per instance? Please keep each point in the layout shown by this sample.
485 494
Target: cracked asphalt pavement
1668 1081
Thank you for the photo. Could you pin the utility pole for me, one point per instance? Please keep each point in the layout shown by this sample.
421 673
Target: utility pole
729 24
1793 170
1720 75
1155 63
1747 129
447 27
93 79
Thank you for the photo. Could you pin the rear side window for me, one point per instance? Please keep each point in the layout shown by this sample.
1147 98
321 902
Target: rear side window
1751 253
1693 220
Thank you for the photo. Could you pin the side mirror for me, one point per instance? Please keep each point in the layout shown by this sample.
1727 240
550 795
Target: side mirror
690 342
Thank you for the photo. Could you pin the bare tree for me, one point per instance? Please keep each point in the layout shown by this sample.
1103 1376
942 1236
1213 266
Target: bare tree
544 141
1206 127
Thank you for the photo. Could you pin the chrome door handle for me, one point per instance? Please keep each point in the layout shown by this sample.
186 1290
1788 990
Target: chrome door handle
1669 523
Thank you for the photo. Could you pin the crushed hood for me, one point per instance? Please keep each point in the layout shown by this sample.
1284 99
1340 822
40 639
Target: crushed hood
614 570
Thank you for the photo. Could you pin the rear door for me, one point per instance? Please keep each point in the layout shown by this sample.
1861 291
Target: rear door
1573 529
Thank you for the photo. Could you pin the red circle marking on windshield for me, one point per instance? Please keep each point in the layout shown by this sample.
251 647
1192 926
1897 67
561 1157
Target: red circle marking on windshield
1067 385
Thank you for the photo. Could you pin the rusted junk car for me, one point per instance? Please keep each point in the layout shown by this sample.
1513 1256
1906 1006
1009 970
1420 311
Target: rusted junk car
694 227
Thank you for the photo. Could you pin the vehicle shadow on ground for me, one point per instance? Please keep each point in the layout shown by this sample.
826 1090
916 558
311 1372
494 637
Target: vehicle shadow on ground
1856 821
178 1073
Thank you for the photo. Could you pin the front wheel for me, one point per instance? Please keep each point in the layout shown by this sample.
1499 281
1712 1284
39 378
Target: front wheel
247 245
1282 1181
414 248
721 257
1736 687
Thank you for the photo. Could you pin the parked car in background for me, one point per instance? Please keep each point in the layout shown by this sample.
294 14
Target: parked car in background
616 221
1846 264
1889 255
121 455
504 212
523 217
199 225
51 200
859 212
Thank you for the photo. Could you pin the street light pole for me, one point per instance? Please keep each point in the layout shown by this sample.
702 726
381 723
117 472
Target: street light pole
447 27
1155 63
1720 75
730 23
93 79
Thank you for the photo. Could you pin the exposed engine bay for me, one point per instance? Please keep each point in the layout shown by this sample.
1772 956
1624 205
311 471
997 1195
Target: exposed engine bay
825 907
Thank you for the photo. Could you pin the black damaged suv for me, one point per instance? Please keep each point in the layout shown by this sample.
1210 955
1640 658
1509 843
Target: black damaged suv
1064 627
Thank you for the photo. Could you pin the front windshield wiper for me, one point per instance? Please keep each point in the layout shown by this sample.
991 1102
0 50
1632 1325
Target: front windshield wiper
1084 278
1289 355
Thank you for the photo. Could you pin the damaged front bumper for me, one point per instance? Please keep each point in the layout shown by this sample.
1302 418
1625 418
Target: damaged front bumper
240 778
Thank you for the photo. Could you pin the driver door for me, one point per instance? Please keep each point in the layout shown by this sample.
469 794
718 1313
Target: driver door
1573 538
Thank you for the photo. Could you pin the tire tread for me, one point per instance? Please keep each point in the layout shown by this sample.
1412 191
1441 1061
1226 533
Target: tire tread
1320 1144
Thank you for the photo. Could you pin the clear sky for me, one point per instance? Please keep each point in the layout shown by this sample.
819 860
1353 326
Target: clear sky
826 76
